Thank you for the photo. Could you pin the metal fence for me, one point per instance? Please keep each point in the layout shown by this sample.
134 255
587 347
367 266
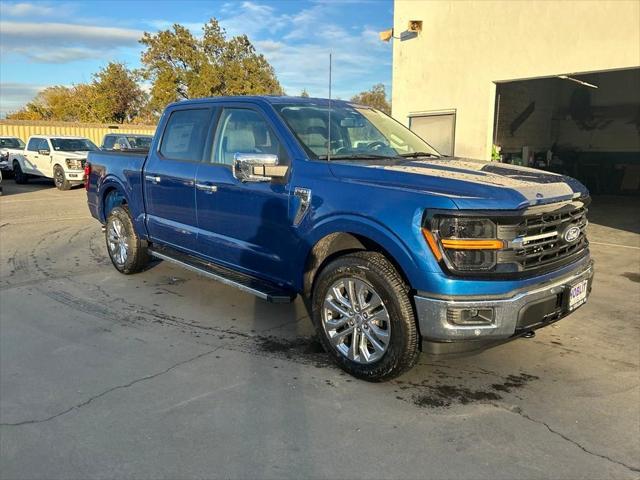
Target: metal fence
95 132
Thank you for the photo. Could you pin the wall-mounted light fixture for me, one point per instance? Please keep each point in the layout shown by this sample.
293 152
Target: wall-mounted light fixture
415 26
581 82
386 35
413 29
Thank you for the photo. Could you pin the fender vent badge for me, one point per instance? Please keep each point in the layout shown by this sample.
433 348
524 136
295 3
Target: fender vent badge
304 195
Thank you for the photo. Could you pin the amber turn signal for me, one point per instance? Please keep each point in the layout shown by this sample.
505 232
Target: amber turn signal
433 245
457 244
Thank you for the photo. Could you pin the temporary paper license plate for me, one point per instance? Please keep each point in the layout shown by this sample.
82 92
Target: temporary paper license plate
578 294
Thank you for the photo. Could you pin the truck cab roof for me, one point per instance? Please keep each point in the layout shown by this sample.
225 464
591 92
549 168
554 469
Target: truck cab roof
71 137
268 99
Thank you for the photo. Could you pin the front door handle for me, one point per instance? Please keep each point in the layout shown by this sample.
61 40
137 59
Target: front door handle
207 188
152 178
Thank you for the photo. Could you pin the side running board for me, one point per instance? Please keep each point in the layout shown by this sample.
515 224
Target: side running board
260 288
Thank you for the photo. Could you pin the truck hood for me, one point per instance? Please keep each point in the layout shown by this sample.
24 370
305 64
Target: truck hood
470 184
4 150
65 154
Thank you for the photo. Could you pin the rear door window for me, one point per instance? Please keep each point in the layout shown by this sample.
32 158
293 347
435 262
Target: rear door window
185 135
108 142
34 145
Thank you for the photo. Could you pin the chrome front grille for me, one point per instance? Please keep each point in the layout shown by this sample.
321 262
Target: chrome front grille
541 240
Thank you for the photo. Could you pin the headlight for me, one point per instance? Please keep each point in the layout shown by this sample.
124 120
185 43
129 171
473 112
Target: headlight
465 244
74 164
471 260
457 227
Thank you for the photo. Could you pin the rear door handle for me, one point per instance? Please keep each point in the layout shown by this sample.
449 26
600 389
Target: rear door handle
152 178
207 188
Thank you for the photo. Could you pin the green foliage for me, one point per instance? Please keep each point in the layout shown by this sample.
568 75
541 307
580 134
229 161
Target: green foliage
117 97
495 153
176 63
181 66
376 98
112 97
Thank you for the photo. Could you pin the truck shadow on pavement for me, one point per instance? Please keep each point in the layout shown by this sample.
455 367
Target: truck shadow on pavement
430 385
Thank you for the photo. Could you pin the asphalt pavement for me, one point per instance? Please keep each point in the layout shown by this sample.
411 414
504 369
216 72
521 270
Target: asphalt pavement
166 374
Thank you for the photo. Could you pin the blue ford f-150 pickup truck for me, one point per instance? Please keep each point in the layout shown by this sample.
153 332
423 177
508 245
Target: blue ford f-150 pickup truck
393 247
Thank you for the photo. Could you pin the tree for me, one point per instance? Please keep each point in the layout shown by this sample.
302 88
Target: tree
181 66
304 93
112 97
376 98
117 97
52 103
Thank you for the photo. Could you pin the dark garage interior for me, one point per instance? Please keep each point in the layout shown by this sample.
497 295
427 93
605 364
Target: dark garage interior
583 125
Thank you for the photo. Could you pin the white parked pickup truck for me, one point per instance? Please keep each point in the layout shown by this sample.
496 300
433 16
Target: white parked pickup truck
8 146
57 157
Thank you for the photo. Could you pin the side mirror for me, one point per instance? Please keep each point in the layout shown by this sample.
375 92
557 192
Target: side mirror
257 167
44 152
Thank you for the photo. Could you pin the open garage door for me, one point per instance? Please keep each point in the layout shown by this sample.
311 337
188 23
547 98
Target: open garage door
583 125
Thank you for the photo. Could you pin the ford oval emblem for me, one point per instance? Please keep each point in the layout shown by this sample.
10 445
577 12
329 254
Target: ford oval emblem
571 234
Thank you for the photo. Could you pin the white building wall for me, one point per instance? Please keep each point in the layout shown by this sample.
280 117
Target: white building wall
467 46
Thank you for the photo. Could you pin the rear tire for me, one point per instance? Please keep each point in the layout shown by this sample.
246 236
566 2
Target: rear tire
387 340
127 251
18 175
60 179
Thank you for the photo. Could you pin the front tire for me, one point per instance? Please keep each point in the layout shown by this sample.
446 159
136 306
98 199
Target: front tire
60 179
363 315
127 251
18 175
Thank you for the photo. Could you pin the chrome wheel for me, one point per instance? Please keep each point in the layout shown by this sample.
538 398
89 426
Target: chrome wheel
356 321
117 241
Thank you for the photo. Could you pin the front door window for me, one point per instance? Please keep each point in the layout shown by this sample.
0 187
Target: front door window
243 131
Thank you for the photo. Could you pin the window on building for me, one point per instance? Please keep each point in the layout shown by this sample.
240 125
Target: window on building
436 128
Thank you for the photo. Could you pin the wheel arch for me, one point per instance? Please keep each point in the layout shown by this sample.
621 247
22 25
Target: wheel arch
336 244
111 197
16 159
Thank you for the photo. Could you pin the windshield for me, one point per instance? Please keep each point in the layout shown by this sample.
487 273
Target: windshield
73 145
356 132
11 143
142 142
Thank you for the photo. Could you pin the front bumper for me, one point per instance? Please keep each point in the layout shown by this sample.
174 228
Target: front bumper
513 314
76 177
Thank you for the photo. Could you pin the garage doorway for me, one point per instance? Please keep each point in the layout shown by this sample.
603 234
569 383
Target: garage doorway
583 125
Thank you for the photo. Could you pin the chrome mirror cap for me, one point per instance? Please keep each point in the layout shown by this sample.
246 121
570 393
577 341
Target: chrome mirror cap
257 167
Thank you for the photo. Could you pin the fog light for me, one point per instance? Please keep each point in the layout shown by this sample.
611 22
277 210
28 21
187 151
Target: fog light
470 316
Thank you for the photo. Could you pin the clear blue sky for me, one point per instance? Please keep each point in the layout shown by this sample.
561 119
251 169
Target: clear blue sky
62 43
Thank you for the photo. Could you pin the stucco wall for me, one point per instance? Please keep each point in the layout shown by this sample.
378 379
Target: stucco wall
465 47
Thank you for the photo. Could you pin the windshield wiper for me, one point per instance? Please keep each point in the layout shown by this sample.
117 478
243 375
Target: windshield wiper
419 154
356 156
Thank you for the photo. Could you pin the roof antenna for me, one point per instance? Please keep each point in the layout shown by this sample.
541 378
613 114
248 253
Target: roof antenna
329 124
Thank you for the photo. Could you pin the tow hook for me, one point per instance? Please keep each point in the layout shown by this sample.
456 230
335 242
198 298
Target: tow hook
529 334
